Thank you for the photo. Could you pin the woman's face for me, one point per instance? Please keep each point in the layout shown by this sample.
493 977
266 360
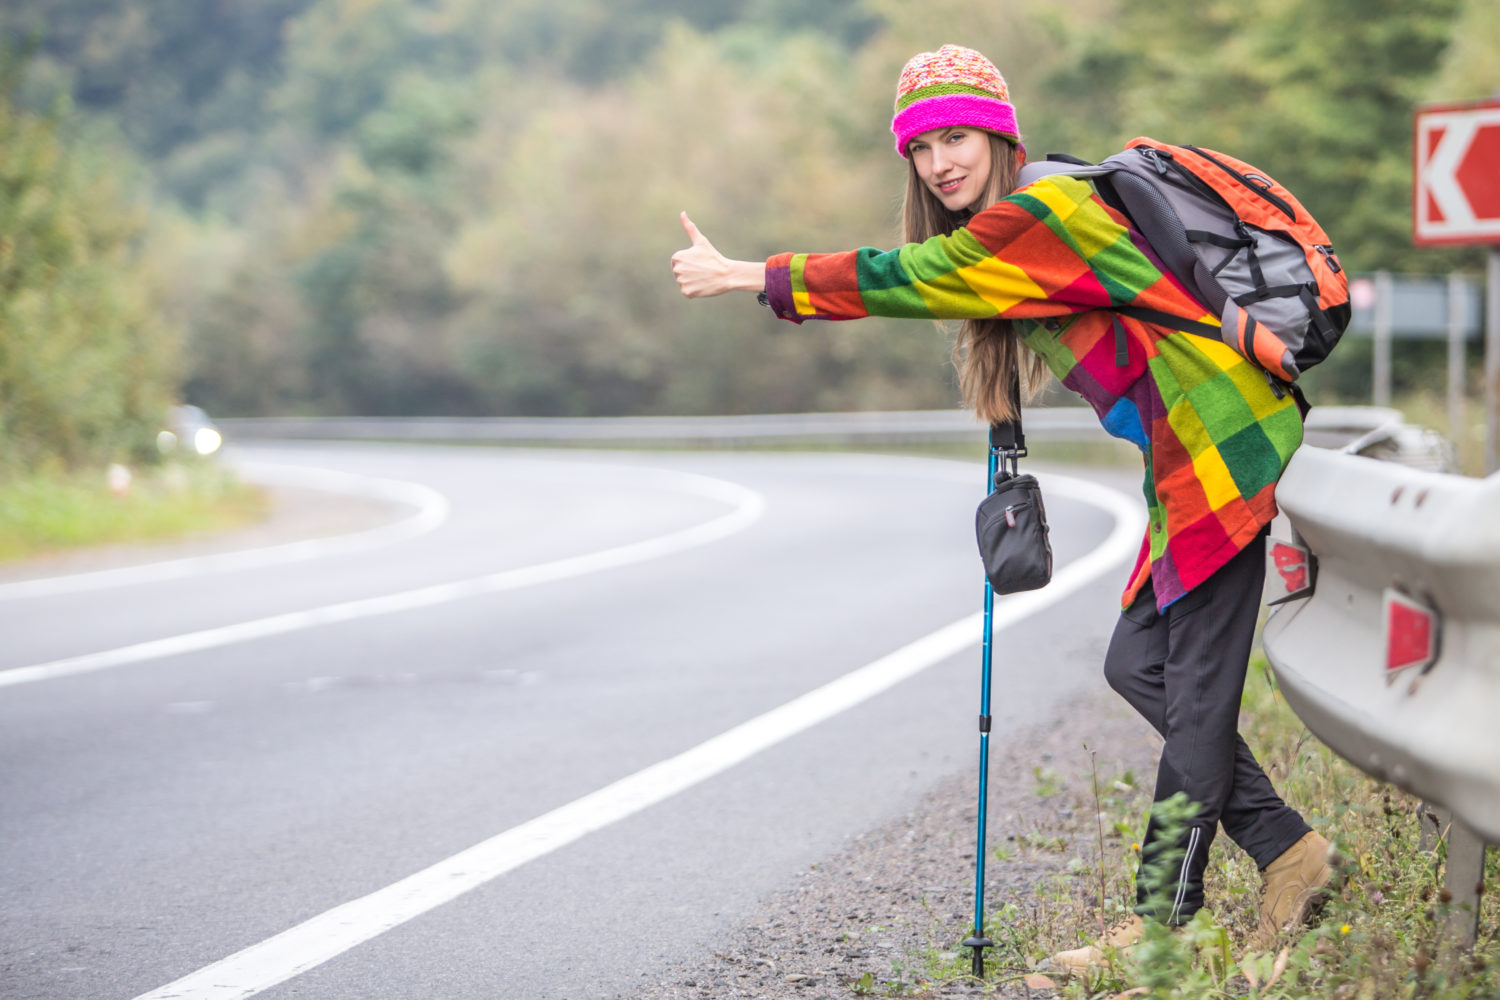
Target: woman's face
954 163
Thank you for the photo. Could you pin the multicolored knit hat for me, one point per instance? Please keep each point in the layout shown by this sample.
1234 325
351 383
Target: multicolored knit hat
950 87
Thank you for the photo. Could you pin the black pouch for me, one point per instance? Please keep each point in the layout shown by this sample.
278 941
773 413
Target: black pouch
1011 526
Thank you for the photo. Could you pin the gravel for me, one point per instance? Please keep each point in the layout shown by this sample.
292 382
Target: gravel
905 889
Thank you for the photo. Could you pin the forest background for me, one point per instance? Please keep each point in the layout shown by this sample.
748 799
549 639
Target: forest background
468 206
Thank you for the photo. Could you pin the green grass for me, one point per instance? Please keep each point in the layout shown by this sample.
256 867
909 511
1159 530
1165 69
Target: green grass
44 514
1382 936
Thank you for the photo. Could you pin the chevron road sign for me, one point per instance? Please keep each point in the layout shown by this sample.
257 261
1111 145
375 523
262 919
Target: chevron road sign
1456 194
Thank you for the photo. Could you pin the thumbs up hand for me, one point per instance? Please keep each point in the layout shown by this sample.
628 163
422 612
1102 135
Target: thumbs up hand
702 271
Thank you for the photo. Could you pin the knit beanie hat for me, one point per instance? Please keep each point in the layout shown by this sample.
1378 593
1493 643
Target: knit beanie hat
951 87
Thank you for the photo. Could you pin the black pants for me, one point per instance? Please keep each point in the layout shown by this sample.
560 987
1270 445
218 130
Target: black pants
1183 669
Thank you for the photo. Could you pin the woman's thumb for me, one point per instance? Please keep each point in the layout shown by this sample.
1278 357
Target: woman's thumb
692 231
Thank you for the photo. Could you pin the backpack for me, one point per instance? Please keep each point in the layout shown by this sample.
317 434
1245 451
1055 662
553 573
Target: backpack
1237 240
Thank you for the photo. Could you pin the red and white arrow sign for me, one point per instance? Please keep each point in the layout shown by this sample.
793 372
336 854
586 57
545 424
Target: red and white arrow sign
1456 194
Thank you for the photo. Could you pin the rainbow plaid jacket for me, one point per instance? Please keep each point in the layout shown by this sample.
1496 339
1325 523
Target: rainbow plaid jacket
1214 436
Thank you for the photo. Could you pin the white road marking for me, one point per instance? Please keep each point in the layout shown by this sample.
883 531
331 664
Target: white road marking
315 941
431 511
747 508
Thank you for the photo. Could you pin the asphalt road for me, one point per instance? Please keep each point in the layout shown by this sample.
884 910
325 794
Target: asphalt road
177 786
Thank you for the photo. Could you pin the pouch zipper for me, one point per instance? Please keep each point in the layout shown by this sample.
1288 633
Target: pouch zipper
1010 518
1009 513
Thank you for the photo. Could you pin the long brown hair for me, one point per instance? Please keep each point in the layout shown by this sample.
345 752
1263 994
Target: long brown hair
986 351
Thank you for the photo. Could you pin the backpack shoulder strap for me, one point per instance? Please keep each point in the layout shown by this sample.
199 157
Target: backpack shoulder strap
1036 170
1102 175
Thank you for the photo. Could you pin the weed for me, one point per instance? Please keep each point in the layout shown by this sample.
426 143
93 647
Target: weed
1382 935
1099 821
1042 842
1048 782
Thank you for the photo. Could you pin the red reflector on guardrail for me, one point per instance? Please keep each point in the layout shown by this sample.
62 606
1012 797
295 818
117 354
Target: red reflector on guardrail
1293 571
1411 633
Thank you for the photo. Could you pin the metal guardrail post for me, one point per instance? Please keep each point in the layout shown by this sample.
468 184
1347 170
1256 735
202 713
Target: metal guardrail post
1464 881
1464 876
1381 376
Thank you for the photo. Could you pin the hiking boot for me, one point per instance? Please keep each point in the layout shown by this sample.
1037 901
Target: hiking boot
1292 886
1119 937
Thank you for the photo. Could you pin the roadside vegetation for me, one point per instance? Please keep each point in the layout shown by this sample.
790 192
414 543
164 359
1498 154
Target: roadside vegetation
1381 936
45 514
89 359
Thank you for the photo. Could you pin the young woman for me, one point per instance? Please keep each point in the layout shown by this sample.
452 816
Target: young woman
1044 268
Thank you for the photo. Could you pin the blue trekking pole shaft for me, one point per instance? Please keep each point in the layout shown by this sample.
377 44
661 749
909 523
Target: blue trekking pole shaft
978 941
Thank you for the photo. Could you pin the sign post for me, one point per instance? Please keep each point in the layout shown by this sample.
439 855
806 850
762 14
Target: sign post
1492 365
1456 200
1456 321
1382 373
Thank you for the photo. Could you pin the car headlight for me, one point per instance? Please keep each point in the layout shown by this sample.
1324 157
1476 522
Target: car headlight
206 440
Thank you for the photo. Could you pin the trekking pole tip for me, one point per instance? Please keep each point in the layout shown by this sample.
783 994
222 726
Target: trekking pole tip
978 943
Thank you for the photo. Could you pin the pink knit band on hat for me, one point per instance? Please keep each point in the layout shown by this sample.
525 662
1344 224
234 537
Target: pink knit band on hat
954 111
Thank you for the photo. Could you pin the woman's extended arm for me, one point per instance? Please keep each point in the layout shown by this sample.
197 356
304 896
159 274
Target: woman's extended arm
702 271
1047 250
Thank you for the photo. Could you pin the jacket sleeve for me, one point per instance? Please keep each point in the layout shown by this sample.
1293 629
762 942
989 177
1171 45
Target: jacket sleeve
1049 249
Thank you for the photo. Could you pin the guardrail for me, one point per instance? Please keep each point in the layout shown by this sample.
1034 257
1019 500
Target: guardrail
1328 426
1393 660
874 427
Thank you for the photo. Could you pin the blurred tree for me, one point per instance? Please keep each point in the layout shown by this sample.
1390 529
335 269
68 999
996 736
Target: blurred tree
564 262
848 22
1325 107
1343 131
1470 68
410 132
169 71
87 367
376 299
343 56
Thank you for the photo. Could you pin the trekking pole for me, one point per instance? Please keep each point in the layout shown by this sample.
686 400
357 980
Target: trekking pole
977 940
1007 443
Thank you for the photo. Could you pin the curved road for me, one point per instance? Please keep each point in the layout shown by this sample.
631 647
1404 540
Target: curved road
558 726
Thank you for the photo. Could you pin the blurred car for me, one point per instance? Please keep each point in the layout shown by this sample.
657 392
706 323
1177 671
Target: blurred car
190 429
